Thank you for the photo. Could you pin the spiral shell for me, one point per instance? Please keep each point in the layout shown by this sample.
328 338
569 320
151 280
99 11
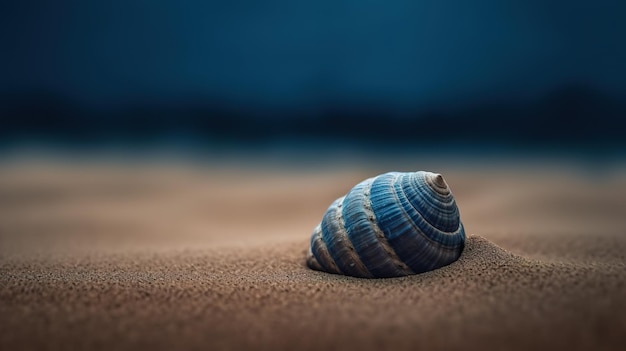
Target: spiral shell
392 225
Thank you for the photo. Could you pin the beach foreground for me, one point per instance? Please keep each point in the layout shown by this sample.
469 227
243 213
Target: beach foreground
112 255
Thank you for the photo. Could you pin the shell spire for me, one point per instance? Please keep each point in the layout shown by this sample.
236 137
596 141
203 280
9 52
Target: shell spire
392 225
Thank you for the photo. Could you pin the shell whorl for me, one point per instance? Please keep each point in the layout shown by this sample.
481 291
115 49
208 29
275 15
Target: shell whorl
392 225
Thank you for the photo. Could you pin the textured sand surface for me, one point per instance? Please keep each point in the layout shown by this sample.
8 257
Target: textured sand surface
106 255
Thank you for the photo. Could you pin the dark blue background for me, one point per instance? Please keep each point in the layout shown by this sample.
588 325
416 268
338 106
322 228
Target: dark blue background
551 72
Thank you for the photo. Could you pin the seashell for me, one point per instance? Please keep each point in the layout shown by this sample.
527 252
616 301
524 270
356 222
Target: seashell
392 225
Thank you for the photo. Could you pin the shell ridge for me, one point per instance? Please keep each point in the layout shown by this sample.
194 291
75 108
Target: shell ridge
339 246
422 183
445 204
422 197
312 262
320 253
425 253
412 245
367 238
430 231
383 240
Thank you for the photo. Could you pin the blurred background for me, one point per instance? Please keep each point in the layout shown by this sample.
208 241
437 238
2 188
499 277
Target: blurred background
522 76
124 119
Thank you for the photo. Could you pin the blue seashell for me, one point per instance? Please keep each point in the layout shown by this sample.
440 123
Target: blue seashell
392 225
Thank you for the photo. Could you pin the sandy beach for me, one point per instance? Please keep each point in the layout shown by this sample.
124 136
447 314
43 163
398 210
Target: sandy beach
109 255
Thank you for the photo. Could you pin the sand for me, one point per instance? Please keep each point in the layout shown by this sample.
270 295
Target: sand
103 254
